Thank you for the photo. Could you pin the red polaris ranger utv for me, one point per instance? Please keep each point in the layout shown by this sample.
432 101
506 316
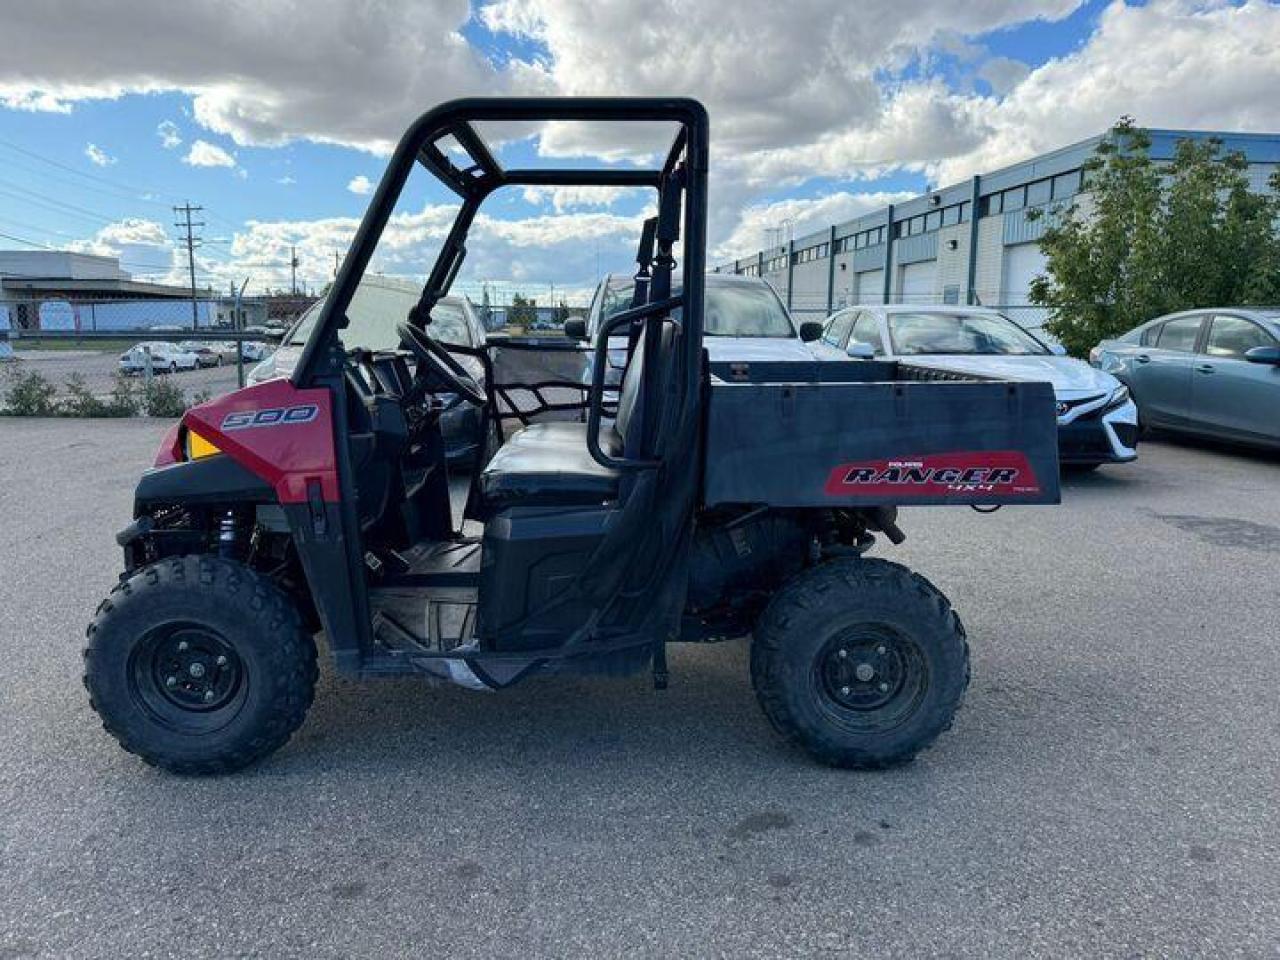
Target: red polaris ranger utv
696 504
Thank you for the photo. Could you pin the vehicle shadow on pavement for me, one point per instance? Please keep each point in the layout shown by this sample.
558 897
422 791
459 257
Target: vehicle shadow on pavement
1239 452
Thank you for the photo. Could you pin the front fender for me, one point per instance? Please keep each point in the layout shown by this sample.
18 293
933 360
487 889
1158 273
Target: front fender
216 479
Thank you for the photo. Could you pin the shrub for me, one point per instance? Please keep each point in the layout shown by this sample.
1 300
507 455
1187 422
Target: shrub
29 395
79 401
161 397
124 398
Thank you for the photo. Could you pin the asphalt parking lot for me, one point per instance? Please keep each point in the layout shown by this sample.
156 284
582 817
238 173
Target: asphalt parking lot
1109 789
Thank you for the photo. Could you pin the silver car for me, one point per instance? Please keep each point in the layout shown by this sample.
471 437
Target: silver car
1213 372
1097 421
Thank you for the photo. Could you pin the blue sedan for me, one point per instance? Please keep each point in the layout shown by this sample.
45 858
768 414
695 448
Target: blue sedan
1212 372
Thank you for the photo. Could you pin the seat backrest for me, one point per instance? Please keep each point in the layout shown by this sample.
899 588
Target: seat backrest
634 408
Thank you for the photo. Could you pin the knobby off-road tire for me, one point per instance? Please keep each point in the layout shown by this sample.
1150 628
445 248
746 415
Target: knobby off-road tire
861 663
199 665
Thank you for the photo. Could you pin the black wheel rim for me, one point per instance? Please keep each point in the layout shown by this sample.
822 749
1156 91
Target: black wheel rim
870 678
188 678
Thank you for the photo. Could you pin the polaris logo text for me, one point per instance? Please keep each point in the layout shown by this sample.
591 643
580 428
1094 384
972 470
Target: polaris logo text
270 417
995 471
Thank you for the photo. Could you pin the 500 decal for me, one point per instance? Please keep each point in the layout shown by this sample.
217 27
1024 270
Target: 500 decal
270 417
1001 471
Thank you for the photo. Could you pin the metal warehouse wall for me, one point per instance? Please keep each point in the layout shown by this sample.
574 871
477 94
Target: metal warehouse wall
933 252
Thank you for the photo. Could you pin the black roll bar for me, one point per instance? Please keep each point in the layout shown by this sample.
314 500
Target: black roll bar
595 399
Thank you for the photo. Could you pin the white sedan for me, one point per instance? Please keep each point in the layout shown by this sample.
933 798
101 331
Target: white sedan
161 356
1097 419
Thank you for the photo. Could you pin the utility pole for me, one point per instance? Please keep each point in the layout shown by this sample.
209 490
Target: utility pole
293 270
192 242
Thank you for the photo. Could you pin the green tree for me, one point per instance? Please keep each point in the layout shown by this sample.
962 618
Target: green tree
560 314
523 311
1156 239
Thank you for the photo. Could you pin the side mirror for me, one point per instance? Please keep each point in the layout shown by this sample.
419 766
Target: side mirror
576 328
1270 355
1057 349
860 351
810 331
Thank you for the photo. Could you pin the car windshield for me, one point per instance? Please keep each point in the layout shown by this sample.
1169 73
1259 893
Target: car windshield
380 303
922 334
733 309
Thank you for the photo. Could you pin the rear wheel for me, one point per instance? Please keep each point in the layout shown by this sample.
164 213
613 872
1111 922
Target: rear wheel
199 665
861 663
173 366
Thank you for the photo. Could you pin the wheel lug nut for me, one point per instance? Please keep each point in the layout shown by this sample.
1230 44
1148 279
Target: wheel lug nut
845 691
183 646
222 661
880 650
170 681
208 696
884 688
842 654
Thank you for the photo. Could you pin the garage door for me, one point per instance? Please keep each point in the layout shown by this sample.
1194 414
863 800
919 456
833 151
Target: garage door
915 282
870 287
1022 264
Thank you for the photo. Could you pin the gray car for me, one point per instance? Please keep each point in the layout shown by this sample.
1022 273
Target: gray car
1213 372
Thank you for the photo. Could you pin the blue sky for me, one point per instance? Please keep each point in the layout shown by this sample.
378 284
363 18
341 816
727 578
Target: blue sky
818 114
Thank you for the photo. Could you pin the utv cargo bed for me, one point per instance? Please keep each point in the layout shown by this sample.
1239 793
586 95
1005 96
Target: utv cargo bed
796 434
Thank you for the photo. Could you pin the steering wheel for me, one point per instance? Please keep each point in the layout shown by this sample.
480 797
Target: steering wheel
438 360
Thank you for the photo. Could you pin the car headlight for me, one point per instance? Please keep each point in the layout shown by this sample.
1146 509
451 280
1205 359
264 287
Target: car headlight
1118 398
197 447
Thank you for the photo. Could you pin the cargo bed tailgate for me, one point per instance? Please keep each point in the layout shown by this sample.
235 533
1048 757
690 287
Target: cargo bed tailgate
875 433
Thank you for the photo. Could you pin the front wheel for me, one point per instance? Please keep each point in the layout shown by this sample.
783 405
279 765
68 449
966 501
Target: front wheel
199 665
861 663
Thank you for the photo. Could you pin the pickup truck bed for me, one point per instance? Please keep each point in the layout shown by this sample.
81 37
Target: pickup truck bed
798 434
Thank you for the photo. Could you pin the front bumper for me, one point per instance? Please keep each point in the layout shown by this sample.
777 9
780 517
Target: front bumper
1099 435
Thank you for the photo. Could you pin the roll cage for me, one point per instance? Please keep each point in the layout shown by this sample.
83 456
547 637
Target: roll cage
680 183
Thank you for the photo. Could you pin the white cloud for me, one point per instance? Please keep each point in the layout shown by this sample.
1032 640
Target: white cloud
1003 74
360 185
286 181
206 154
168 133
562 199
97 156
1171 63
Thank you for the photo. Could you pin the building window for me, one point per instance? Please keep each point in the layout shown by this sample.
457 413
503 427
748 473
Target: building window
995 204
1066 185
933 221
1039 192
1015 199
951 216
951 295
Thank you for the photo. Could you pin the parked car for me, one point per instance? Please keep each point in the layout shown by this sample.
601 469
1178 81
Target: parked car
378 304
1097 419
745 320
163 358
209 353
256 351
1212 372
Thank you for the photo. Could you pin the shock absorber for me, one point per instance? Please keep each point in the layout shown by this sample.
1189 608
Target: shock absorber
227 533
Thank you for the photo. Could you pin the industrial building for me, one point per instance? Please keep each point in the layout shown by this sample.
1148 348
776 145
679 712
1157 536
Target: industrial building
933 249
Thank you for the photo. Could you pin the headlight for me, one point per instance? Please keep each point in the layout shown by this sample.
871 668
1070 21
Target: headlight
1119 398
197 447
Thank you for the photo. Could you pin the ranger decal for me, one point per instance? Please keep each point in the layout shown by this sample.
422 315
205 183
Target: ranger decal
995 471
